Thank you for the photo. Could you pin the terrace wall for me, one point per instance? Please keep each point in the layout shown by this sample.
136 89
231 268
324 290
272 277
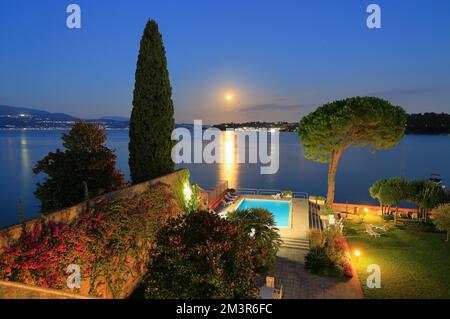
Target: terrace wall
11 234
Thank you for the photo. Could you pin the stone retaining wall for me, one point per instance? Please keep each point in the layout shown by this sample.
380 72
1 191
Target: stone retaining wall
11 234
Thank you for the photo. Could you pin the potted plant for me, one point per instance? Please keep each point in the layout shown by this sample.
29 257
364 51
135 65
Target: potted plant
319 200
287 194
325 213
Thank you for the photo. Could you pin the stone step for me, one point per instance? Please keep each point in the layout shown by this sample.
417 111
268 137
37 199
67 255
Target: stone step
295 247
296 243
295 240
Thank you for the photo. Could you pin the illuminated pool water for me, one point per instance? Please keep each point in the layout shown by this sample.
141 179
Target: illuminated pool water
280 209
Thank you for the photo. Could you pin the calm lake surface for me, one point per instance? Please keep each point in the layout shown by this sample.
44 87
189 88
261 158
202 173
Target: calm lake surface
415 157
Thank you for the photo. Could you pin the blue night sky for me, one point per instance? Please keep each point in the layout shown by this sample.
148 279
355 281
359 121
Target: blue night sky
280 59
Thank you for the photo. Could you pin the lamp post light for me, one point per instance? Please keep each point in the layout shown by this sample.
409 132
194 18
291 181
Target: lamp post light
357 254
187 191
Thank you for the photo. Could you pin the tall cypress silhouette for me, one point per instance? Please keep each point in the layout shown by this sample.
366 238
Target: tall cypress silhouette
152 117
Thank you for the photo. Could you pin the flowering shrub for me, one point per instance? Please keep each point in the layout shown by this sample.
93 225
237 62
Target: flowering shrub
109 242
335 247
344 259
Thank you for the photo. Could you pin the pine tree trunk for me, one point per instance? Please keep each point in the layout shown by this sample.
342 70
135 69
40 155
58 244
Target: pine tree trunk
334 161
448 233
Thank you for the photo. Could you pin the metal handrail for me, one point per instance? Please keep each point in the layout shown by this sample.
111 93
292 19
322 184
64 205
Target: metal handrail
269 192
302 195
247 191
262 191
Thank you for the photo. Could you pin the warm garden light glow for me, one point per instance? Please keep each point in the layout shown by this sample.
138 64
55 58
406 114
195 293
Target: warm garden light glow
187 191
365 210
357 254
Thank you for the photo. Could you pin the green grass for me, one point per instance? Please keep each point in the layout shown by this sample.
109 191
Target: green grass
413 264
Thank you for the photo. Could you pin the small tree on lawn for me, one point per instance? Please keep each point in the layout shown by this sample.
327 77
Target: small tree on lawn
201 256
374 191
392 192
359 121
441 218
85 162
266 238
426 195
152 118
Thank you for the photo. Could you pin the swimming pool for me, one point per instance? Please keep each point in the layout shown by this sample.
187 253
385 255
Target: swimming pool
280 209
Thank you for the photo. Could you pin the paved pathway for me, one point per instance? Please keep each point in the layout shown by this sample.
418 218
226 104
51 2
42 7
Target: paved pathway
299 284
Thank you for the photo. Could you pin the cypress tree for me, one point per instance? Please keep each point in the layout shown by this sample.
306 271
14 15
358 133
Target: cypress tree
152 121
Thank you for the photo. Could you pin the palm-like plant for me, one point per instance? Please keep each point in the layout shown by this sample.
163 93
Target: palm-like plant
259 224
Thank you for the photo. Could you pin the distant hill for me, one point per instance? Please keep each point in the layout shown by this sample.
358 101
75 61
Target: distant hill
115 118
6 110
12 117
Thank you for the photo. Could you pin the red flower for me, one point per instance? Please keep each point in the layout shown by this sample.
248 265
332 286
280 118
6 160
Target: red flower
61 248
348 270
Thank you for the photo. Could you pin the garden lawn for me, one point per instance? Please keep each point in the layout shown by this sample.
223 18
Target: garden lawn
413 264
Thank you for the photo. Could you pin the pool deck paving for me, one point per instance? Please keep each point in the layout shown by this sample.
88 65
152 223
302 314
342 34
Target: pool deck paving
299 225
289 269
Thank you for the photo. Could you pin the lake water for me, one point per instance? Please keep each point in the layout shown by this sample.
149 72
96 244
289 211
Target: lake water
415 157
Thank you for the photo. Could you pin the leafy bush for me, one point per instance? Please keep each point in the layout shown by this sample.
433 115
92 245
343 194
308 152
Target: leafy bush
442 219
318 262
286 193
109 242
318 198
419 226
336 249
86 163
326 210
316 238
182 185
200 255
266 238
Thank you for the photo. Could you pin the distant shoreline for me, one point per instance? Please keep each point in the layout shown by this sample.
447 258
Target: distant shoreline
54 129
222 130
